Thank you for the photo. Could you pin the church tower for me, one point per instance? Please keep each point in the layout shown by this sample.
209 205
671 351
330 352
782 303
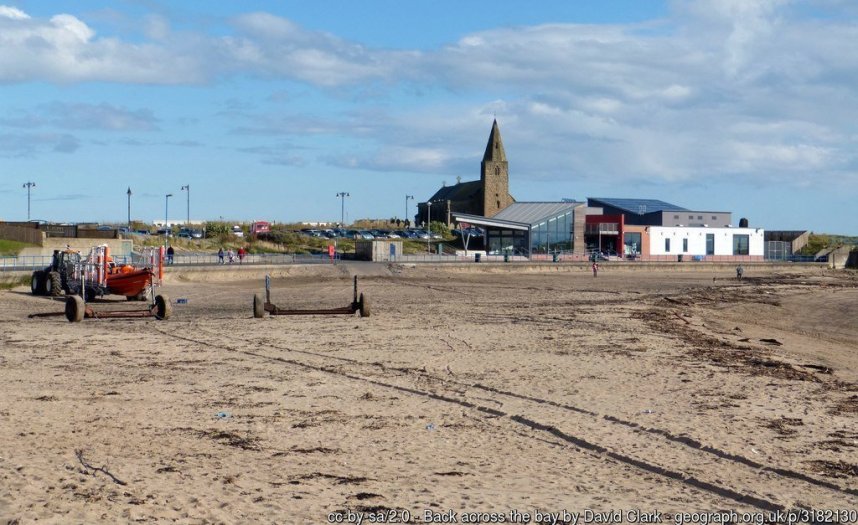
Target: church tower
494 175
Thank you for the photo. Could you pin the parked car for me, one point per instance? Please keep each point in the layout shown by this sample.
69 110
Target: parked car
197 234
184 235
237 231
365 235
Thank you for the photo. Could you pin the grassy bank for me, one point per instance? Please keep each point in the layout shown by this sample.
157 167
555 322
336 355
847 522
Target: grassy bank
12 247
292 243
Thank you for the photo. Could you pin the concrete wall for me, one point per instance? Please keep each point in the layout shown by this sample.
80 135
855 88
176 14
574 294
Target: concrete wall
118 247
697 240
22 234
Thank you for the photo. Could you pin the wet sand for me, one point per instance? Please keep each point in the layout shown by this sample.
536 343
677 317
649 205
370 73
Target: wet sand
463 392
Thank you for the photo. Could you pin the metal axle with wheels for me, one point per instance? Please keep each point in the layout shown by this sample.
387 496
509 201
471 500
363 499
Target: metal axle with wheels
77 310
360 303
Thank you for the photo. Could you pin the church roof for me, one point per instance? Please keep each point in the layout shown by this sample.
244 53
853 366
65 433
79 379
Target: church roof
458 192
494 149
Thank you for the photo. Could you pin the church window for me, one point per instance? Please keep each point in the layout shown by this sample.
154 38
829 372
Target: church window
497 170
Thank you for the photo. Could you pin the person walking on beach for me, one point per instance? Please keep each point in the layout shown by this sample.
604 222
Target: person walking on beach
241 253
739 272
595 269
220 256
230 255
170 253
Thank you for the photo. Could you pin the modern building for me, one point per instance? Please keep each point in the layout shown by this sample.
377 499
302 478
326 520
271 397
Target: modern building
653 212
484 197
528 228
681 243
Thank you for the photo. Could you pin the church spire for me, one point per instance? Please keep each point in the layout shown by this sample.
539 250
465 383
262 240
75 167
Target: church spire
494 149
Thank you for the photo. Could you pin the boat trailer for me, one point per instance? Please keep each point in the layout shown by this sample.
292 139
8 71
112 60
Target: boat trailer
360 303
77 309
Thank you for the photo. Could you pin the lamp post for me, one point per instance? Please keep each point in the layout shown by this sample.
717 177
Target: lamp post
342 195
407 197
187 188
28 185
429 225
166 216
129 207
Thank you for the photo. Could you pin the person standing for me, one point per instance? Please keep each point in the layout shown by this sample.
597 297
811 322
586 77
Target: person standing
170 253
595 269
740 272
220 256
241 253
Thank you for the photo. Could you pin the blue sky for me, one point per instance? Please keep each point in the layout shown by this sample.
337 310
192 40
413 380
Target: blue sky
268 109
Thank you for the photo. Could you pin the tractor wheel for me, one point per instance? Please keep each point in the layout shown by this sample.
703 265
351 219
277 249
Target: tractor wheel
363 304
36 282
163 308
75 308
258 306
54 284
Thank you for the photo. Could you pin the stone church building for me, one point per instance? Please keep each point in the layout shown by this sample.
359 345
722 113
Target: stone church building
484 197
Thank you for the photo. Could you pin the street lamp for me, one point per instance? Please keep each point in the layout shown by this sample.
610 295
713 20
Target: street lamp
428 225
28 185
129 207
407 197
342 195
187 188
166 216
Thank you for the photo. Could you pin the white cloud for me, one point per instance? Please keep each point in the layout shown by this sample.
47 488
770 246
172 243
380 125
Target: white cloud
13 13
747 88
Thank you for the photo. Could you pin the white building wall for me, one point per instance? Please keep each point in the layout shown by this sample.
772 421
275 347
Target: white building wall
697 240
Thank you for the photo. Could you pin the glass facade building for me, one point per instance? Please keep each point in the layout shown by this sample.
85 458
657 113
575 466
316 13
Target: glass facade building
526 228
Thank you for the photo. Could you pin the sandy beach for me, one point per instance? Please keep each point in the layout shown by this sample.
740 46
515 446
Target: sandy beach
497 393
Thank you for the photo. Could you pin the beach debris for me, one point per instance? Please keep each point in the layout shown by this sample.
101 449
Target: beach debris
102 469
430 427
648 411
754 450
223 415
770 341
182 300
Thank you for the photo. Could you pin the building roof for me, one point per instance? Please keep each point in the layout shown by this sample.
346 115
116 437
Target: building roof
520 215
458 192
486 221
635 206
534 212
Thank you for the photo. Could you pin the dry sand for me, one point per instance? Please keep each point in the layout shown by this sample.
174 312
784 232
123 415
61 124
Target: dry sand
470 392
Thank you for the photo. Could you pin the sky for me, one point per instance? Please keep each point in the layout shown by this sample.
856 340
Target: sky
268 109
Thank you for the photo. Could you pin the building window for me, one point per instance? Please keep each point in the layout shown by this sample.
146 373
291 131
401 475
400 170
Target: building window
710 244
714 217
684 245
667 245
741 244
699 217
691 217
676 216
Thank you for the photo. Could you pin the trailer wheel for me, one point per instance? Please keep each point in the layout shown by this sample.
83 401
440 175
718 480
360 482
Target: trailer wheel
363 305
75 308
54 284
258 306
163 308
36 282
